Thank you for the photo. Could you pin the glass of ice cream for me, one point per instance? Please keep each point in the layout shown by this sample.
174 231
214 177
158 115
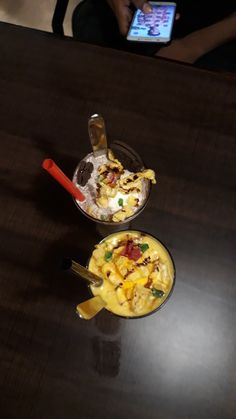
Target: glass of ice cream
115 183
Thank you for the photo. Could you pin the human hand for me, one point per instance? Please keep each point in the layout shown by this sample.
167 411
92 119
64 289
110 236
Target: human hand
123 13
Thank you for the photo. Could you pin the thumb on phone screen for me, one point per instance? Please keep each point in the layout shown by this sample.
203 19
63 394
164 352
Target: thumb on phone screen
142 5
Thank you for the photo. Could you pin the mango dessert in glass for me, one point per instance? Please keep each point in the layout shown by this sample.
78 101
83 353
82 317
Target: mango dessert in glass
137 270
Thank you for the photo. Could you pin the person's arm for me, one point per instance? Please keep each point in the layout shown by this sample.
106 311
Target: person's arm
199 43
123 13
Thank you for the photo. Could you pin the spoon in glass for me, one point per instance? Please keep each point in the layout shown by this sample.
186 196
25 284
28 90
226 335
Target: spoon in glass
97 135
80 270
89 308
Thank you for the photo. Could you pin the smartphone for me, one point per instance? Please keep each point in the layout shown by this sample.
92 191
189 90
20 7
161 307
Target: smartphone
155 26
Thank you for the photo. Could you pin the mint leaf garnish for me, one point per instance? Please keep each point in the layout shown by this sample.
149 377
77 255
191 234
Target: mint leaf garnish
144 247
120 202
157 293
108 256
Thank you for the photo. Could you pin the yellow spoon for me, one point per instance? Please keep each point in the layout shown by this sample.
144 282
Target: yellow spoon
89 308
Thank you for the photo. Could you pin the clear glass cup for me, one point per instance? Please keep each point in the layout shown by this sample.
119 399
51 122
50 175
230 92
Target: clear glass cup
105 228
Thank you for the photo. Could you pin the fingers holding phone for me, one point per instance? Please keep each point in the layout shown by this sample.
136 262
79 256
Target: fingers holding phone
142 5
122 11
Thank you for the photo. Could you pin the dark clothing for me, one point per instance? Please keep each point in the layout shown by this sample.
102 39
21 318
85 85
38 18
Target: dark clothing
196 14
94 22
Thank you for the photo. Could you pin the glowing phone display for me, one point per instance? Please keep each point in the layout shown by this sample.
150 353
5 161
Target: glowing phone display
155 26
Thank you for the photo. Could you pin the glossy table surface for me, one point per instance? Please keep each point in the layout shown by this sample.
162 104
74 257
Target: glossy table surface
179 362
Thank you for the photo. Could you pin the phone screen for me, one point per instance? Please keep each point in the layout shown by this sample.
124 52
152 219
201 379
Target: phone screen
155 26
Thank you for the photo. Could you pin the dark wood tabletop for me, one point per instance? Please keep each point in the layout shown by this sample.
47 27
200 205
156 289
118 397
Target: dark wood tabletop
179 362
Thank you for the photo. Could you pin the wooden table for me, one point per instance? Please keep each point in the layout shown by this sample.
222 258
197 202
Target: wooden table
178 363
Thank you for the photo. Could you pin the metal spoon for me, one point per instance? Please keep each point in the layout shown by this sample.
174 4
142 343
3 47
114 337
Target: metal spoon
80 270
89 308
97 135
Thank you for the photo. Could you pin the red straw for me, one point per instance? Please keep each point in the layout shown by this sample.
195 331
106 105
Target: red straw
61 178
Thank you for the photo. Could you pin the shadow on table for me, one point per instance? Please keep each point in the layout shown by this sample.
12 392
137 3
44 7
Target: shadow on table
57 282
106 356
105 342
38 187
42 262
52 200
47 287
50 279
